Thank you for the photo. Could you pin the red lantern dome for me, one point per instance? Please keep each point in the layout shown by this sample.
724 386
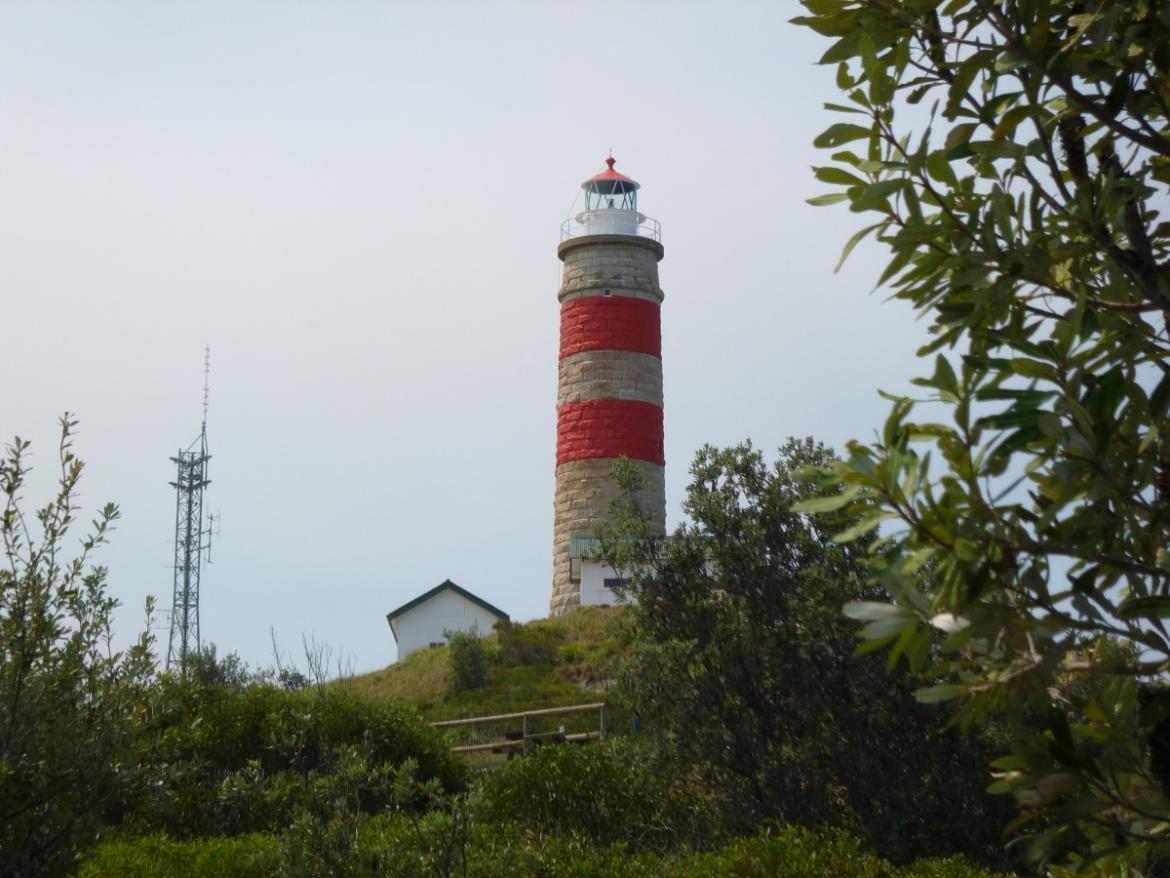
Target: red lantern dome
611 190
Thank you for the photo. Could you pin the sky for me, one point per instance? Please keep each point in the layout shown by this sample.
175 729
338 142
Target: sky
357 205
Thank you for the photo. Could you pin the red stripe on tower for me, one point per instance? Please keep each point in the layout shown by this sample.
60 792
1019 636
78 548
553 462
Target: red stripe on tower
610 428
618 323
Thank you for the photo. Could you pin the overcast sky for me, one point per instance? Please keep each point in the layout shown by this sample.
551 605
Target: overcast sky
357 206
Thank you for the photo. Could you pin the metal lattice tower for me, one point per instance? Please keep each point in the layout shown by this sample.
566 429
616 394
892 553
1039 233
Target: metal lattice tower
192 540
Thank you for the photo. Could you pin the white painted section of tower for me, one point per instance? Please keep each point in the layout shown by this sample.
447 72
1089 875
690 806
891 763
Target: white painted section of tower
421 626
610 222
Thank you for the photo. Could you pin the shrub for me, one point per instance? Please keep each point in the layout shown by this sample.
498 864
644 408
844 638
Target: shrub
392 846
206 667
156 856
69 709
615 791
527 644
242 760
797 852
469 664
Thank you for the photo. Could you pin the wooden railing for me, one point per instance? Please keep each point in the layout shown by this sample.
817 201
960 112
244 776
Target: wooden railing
525 737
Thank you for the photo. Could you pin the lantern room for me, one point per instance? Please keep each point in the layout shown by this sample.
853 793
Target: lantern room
611 190
611 208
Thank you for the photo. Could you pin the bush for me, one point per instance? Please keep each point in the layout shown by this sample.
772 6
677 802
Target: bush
249 760
469 664
796 852
69 709
156 856
527 644
615 791
393 846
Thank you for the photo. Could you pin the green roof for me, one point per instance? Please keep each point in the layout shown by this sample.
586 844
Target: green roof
445 585
589 548
585 547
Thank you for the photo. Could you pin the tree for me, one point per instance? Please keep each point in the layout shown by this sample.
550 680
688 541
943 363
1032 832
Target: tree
743 666
1013 157
69 705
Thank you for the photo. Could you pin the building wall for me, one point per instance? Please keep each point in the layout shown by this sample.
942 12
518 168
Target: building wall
423 625
609 395
593 589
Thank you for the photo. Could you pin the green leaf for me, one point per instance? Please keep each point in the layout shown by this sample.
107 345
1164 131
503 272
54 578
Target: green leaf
944 376
826 504
853 242
937 694
842 50
1010 61
862 527
1033 369
1006 126
965 550
838 176
996 149
940 169
960 134
884 628
915 560
840 108
842 132
1148 607
828 198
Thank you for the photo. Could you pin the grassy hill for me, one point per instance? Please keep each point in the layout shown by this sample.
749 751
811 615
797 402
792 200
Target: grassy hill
544 663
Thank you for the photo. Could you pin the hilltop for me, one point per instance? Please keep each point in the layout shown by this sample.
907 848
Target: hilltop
543 663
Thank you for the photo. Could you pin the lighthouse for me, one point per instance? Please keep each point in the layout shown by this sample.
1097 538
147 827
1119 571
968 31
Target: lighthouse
609 380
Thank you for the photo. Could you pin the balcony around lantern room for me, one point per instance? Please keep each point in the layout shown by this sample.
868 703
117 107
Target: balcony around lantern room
611 221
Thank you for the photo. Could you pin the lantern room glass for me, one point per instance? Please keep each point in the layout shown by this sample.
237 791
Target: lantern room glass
611 195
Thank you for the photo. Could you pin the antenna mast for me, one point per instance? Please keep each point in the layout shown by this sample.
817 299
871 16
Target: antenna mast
192 540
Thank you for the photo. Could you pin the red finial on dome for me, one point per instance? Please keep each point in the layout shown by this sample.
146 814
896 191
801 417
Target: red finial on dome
610 161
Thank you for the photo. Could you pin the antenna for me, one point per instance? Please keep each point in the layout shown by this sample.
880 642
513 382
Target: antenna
206 387
192 540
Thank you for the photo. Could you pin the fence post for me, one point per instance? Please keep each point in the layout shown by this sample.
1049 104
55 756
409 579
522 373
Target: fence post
524 727
601 723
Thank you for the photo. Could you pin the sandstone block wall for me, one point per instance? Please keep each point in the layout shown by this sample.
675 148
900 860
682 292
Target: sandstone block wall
623 264
585 489
609 375
609 391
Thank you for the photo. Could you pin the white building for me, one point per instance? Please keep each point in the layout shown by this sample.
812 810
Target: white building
446 607
598 581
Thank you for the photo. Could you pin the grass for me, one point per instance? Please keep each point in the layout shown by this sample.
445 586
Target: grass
585 645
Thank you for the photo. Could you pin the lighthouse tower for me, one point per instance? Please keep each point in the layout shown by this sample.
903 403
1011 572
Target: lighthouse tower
609 387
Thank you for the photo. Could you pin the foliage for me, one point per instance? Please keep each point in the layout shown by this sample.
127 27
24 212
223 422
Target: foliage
1028 515
205 667
386 847
69 705
796 852
251 759
469 662
527 644
615 791
157 856
743 667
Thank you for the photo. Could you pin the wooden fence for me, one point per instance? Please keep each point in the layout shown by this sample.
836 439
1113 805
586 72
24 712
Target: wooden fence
514 739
